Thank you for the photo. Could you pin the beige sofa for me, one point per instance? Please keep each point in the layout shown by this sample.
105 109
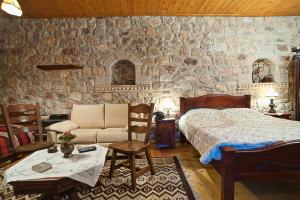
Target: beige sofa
101 123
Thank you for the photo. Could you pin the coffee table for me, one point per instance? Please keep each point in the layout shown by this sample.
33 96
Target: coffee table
50 188
84 168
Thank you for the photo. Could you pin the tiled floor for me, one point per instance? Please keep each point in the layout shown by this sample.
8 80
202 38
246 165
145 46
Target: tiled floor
206 181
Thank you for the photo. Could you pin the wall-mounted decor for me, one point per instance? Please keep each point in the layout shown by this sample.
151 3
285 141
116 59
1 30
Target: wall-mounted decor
58 67
262 71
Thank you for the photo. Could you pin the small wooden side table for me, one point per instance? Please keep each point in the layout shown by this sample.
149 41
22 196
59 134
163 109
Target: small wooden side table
280 115
165 133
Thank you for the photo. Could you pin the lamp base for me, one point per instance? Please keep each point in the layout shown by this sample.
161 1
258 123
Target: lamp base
272 105
271 110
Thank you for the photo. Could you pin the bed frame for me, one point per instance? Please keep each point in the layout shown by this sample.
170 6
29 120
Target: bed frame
277 161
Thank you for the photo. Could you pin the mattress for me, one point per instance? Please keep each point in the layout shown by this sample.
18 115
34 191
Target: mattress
244 129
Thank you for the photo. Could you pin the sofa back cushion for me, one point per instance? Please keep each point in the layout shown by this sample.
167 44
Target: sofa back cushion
88 116
116 115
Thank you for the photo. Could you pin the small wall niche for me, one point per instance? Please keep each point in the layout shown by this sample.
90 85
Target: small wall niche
123 73
263 71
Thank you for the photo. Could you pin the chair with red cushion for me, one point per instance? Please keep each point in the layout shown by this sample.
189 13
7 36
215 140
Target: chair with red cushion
22 120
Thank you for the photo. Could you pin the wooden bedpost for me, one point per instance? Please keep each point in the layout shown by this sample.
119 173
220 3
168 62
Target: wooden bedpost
228 179
248 101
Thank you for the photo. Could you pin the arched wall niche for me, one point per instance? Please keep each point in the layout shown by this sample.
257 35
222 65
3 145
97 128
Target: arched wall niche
123 73
263 71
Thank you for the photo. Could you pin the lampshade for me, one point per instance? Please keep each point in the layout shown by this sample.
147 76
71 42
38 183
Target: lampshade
272 94
11 7
167 103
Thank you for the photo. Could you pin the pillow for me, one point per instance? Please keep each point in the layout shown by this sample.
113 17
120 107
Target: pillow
24 138
4 142
20 139
62 126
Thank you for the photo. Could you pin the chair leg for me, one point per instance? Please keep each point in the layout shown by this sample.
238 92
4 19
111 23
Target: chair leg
149 159
112 164
133 171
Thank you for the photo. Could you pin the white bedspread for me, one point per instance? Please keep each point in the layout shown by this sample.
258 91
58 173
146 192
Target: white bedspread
83 167
241 128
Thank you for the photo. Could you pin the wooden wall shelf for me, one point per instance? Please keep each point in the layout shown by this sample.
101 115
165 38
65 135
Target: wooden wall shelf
58 67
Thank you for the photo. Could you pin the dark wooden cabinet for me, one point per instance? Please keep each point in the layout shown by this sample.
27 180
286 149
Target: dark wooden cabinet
297 83
165 133
280 115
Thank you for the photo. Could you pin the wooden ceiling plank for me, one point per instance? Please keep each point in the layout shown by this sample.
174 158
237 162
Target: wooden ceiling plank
62 5
108 7
226 6
92 8
281 6
237 6
124 7
201 9
183 7
247 6
216 5
156 4
192 6
141 10
99 5
130 6
267 6
178 5
210 5
31 9
164 6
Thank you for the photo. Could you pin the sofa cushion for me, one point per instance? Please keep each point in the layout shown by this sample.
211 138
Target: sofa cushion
138 136
116 115
82 136
110 135
62 126
88 116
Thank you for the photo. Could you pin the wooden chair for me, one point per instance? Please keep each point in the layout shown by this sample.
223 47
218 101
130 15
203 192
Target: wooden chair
132 148
26 118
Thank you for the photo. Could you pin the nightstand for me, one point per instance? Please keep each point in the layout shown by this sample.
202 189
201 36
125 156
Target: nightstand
280 115
165 133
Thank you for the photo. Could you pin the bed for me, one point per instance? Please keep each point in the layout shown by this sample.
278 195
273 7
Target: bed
245 156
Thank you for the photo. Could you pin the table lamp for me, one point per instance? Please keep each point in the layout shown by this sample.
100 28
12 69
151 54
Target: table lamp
272 95
168 104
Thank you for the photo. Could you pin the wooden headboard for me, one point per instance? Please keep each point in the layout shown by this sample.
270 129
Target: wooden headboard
217 101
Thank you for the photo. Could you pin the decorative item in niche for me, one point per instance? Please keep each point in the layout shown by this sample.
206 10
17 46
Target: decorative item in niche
261 71
123 73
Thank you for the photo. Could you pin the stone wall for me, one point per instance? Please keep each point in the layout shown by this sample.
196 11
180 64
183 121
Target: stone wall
177 56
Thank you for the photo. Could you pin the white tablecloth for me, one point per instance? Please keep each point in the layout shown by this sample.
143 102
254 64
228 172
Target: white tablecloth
83 167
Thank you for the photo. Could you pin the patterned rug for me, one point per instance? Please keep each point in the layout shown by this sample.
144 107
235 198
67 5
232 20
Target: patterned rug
169 182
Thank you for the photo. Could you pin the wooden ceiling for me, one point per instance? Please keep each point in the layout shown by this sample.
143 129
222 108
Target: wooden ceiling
91 8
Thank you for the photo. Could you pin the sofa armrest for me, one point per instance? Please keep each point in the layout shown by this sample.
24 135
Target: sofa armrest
51 136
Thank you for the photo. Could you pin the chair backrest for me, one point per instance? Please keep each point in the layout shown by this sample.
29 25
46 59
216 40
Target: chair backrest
22 118
139 120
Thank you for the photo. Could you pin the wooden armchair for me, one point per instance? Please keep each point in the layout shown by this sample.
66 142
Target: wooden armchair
24 118
131 148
